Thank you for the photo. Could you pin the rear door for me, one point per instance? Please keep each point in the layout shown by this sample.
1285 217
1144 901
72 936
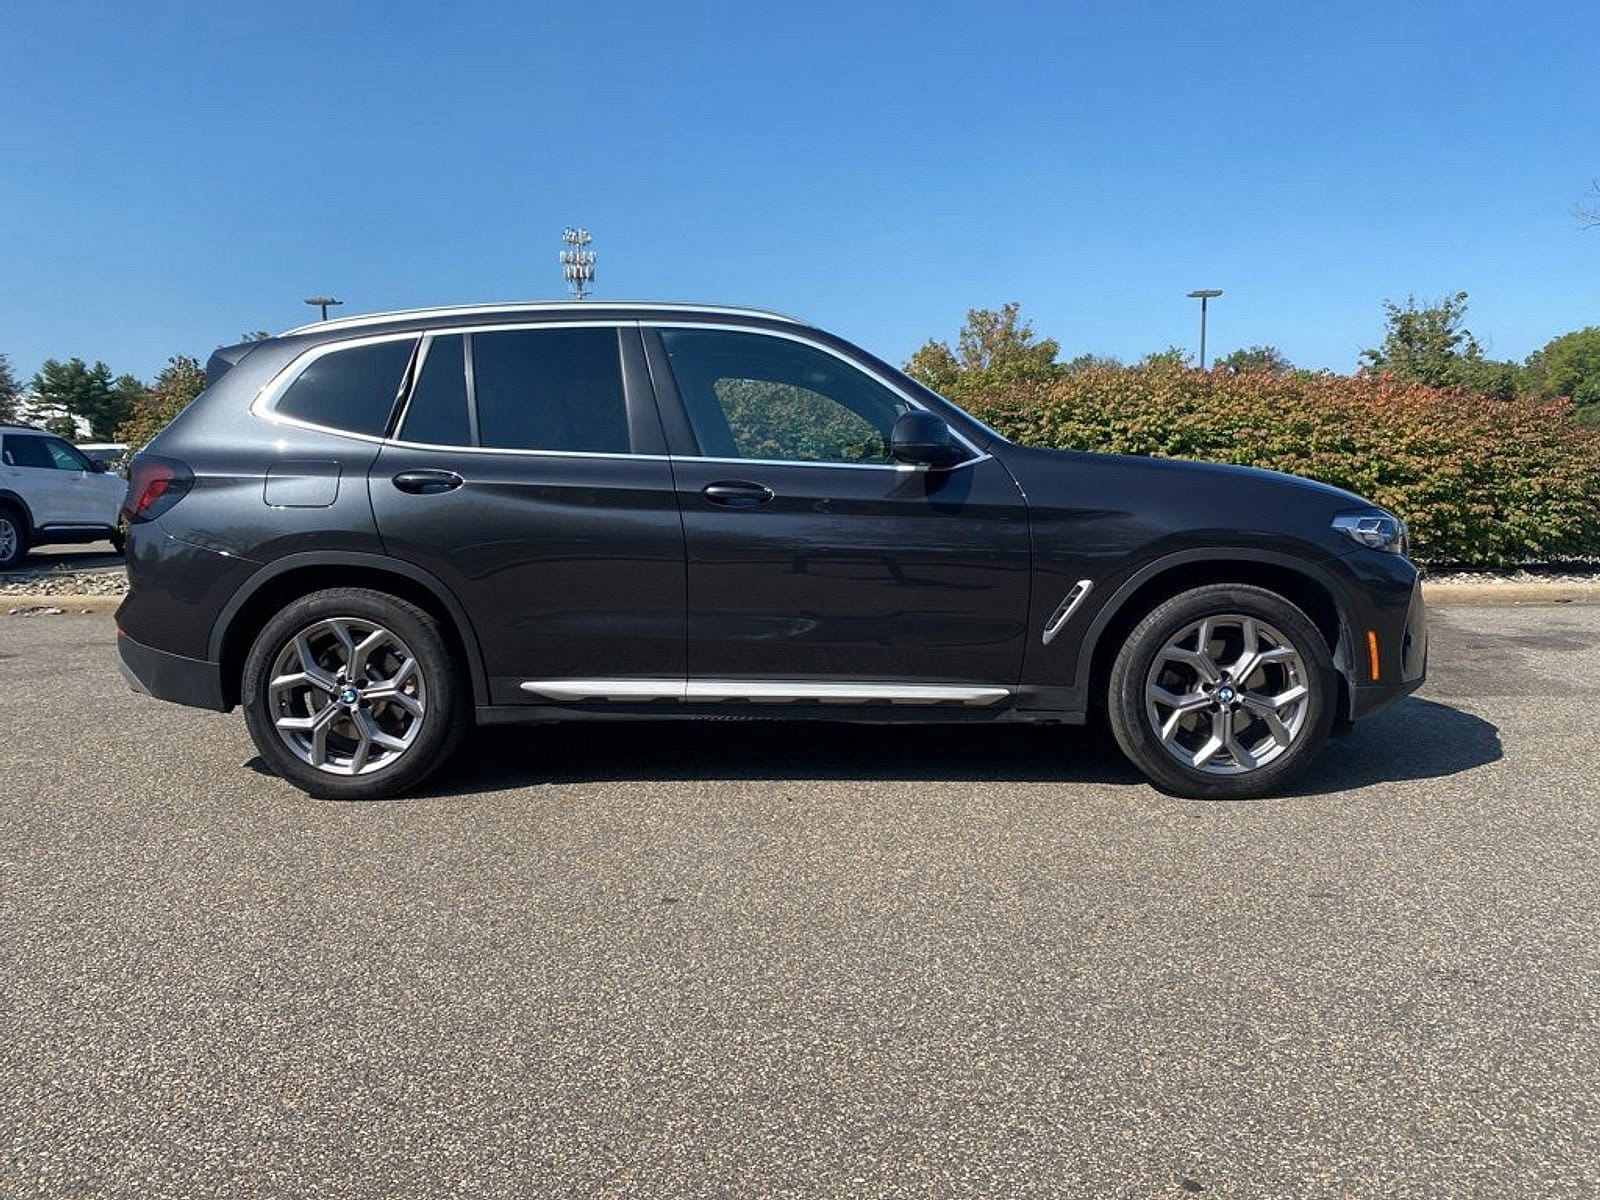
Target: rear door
813 558
528 472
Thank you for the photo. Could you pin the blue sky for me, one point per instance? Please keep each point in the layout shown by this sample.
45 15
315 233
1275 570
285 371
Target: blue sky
172 175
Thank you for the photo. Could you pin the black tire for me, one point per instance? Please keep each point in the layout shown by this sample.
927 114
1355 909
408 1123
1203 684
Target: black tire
119 540
1133 714
443 692
13 537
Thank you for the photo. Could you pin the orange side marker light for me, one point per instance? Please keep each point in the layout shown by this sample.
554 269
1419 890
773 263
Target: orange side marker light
1372 653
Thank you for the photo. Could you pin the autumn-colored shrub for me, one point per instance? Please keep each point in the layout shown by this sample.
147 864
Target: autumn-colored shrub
1479 480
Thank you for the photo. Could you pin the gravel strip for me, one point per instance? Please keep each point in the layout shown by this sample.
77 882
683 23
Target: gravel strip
66 583
1523 576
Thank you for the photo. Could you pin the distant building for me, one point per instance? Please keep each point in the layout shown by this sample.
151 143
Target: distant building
51 416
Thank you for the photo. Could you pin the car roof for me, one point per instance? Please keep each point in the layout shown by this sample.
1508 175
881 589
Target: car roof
610 309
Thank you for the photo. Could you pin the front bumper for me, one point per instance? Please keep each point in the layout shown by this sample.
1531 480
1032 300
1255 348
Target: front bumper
167 676
1401 647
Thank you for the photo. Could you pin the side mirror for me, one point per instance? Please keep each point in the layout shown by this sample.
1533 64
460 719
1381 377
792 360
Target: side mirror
923 439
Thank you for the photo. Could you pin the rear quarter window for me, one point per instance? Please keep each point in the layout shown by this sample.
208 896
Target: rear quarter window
352 390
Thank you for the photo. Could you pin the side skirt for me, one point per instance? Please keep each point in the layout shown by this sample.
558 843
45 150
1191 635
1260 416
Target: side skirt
760 691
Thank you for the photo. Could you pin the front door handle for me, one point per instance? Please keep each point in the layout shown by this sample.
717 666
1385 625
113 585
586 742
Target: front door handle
736 493
427 482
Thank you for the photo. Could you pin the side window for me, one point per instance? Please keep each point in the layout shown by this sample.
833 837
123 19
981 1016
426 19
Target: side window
23 450
550 389
753 396
353 390
437 413
64 457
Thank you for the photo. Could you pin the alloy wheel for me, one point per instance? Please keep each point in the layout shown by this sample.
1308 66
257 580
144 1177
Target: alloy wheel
1227 694
347 696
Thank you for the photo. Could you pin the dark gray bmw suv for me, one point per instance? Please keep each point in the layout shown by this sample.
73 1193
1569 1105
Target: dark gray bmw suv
372 532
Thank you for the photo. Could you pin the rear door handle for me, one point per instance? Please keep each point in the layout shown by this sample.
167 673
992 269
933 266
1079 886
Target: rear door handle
737 493
427 482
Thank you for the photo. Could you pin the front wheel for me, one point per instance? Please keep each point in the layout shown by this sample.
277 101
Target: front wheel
352 694
1225 692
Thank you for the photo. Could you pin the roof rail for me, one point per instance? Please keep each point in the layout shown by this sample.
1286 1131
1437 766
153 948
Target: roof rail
379 318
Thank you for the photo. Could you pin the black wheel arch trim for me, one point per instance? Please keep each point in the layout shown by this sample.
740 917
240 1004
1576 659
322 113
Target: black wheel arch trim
14 500
356 559
1112 607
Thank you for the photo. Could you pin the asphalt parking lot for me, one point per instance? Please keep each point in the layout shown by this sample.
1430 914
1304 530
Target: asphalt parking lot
752 960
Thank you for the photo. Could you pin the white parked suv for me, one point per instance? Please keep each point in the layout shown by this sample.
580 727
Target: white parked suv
50 492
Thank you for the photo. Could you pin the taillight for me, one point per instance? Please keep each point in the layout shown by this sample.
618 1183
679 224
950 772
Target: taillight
154 486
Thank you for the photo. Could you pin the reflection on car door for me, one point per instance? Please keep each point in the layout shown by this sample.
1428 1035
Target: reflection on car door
528 474
811 555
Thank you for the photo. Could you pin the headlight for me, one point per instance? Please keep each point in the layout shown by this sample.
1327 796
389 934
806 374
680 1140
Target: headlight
1374 528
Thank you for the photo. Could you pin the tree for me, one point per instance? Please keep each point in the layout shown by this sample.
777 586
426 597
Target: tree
1172 356
10 392
1432 345
180 381
1570 366
1267 359
1588 211
64 391
1426 345
1089 362
994 347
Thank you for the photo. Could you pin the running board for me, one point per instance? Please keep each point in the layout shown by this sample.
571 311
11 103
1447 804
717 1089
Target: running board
759 691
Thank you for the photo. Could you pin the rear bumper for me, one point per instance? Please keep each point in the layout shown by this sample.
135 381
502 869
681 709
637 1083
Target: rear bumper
167 676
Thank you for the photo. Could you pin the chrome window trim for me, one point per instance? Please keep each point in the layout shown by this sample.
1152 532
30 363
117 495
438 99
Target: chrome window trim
264 405
978 455
266 401
761 691
904 468
468 310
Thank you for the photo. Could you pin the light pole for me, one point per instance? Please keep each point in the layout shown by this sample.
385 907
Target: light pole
1203 295
577 262
324 303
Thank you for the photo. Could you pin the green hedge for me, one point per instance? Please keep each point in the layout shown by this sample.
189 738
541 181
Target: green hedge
1480 481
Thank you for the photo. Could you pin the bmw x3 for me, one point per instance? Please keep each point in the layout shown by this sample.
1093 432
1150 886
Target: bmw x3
372 533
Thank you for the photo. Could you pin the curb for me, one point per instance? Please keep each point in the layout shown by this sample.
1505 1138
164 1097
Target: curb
1444 595
69 605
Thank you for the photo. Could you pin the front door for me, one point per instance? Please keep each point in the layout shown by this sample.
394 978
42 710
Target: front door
813 558
83 493
530 478
28 468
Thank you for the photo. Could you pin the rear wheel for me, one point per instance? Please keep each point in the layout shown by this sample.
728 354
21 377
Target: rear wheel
13 538
1225 692
352 694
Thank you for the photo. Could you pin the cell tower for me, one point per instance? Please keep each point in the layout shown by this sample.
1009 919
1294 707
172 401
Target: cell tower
577 262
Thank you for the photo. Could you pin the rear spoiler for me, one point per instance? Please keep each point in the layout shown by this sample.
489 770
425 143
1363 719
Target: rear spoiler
225 359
